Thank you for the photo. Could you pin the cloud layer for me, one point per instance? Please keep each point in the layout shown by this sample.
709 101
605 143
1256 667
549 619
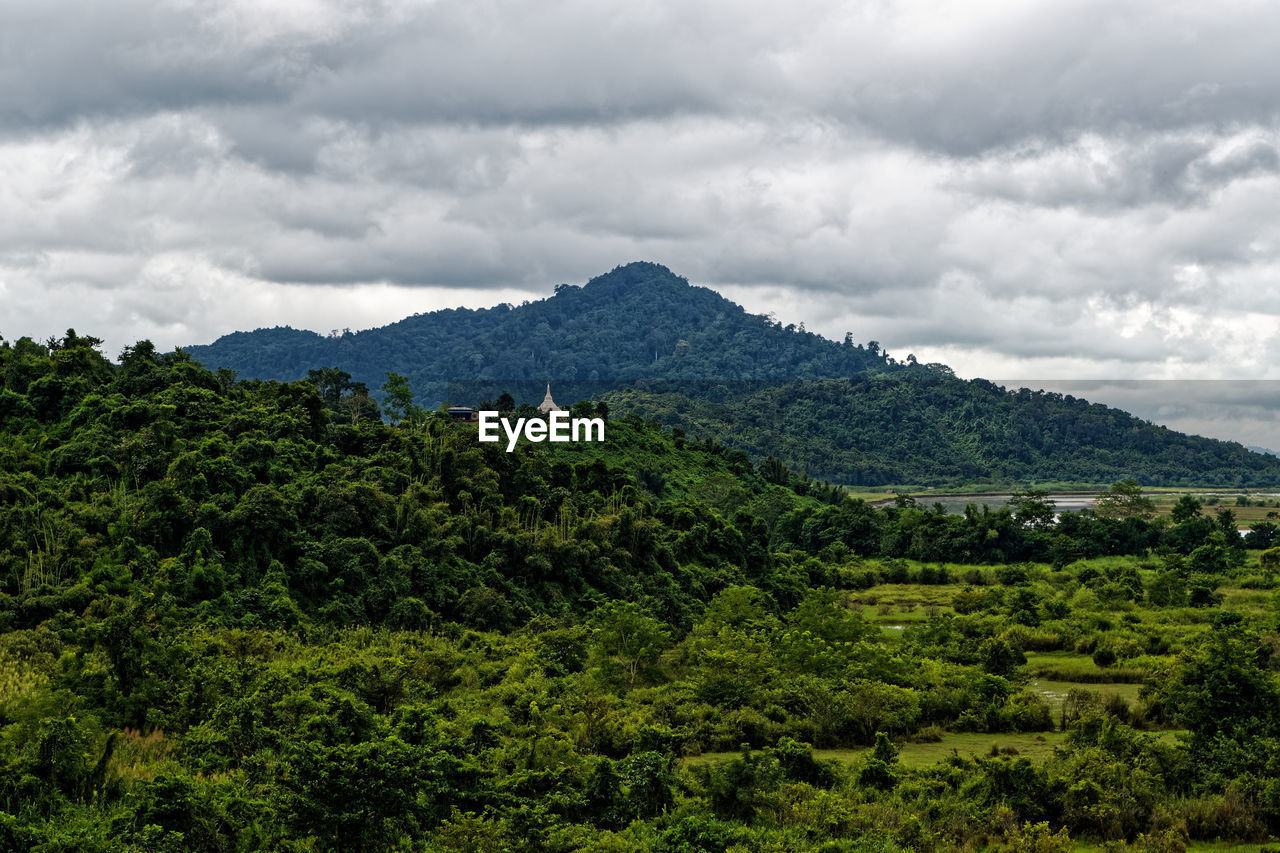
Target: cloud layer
1057 189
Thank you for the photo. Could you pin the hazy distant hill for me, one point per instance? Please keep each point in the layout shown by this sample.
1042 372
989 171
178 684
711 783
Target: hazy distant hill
650 342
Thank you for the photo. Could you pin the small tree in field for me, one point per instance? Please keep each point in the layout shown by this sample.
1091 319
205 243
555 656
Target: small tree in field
626 635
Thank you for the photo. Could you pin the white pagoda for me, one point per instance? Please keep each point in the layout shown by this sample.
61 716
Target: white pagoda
547 404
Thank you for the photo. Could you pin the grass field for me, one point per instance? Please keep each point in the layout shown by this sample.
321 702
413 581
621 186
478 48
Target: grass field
869 494
894 603
1080 669
1036 746
1254 600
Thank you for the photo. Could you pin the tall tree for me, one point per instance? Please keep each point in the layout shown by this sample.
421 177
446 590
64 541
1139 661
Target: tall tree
399 400
1125 500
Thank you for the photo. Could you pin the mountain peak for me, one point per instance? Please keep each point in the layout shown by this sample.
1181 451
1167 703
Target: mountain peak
636 276
637 321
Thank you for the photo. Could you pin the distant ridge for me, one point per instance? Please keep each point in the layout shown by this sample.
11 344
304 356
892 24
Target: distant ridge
917 426
649 342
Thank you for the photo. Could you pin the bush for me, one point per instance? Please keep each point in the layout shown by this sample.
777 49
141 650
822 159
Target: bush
799 765
1115 705
696 832
1230 814
1030 640
1258 582
1171 840
1104 657
1033 838
1011 575
968 600
1027 712
931 733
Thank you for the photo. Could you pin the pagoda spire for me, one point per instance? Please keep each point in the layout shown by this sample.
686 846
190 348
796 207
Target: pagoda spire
548 404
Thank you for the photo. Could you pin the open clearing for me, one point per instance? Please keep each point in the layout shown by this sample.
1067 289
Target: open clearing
1036 746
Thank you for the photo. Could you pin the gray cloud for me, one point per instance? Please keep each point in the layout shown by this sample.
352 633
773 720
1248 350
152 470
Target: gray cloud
992 75
1054 189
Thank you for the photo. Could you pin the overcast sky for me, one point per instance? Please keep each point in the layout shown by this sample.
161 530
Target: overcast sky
1044 189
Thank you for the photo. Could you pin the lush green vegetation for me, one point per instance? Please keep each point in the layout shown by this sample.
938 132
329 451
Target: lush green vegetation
243 615
843 412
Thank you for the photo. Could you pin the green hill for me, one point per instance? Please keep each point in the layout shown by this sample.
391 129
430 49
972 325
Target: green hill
211 491
919 426
638 321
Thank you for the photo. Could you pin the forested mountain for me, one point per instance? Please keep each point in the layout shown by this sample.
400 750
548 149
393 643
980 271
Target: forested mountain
691 358
638 321
922 426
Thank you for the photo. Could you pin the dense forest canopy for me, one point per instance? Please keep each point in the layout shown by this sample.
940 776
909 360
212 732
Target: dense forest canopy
246 614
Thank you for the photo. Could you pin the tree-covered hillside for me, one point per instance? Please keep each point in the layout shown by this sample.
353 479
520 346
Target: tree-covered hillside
240 616
215 490
921 426
640 320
